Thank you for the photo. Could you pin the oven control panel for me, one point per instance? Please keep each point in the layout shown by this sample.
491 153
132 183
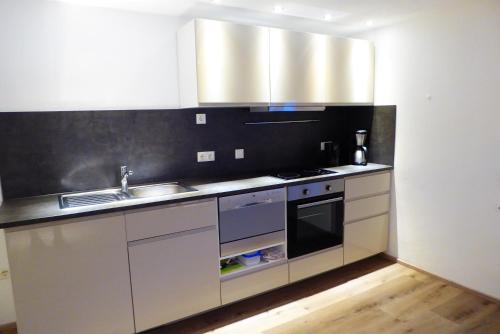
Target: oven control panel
315 189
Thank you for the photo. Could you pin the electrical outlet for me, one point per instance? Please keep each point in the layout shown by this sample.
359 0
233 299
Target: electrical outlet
206 156
4 274
201 118
323 143
239 153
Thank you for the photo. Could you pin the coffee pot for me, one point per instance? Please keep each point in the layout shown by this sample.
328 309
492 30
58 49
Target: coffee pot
360 153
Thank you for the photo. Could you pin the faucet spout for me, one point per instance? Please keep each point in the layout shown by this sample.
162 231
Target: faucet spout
125 173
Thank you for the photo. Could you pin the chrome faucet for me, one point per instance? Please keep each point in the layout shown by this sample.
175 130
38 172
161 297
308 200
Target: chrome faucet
125 173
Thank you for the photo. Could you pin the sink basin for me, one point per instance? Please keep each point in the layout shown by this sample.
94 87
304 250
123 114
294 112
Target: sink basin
158 190
114 195
91 198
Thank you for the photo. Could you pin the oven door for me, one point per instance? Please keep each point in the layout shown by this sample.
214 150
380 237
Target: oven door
314 224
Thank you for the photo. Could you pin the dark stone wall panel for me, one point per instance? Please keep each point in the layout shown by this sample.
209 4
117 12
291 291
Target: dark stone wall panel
51 152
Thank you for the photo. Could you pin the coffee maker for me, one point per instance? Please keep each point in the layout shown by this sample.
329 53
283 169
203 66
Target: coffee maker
360 153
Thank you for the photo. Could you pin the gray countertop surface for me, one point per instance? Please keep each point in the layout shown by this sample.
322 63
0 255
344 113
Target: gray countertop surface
40 209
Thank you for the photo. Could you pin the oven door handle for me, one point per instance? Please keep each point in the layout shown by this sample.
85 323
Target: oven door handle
326 201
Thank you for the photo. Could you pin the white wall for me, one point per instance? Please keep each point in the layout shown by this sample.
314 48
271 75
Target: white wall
56 56
442 70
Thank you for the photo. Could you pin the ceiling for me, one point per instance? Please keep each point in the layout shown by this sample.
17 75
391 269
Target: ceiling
344 17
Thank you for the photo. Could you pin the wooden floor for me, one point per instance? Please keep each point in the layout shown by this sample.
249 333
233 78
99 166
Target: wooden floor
371 296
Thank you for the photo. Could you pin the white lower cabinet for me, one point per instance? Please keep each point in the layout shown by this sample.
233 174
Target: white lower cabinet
366 207
365 238
316 264
174 276
254 283
71 277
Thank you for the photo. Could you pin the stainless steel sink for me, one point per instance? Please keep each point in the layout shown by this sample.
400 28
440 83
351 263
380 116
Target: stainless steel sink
164 189
91 198
115 195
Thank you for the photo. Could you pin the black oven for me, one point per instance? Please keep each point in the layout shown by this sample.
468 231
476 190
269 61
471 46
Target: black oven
315 217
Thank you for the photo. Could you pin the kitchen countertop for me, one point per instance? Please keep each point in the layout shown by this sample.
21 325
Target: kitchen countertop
40 209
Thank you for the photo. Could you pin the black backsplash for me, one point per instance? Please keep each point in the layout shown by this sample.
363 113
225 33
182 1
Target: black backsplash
51 152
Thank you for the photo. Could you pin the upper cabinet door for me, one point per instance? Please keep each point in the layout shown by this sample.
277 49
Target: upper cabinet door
352 63
319 69
298 63
222 63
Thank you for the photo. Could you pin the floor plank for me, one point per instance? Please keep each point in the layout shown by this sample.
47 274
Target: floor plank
392 300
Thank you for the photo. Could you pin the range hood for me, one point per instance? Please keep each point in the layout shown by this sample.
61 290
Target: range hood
223 64
287 108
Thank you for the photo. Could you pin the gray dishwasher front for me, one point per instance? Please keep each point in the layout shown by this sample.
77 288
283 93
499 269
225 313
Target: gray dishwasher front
251 214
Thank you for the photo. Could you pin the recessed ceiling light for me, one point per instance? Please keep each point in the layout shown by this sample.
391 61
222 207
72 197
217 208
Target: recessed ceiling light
328 17
278 9
369 23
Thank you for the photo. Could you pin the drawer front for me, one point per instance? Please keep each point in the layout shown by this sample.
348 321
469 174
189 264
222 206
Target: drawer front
365 238
316 264
152 222
366 207
254 283
367 185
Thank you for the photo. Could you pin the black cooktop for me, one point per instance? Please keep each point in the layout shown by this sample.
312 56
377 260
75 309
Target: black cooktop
298 174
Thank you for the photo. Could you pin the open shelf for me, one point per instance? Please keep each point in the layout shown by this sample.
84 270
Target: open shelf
253 250
263 264
248 269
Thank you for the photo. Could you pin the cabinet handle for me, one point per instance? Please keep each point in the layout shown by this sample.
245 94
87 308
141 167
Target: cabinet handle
266 201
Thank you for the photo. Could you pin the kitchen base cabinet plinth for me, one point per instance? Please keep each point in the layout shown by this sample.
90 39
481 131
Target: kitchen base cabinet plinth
174 276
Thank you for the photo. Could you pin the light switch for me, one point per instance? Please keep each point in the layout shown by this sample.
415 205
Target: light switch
239 153
201 118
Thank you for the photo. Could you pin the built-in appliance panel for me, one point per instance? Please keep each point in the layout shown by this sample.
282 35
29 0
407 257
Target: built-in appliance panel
252 214
254 283
152 222
315 264
309 190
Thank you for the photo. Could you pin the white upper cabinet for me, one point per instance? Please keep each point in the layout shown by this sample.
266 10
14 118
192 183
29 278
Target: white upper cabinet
222 63
308 69
227 64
